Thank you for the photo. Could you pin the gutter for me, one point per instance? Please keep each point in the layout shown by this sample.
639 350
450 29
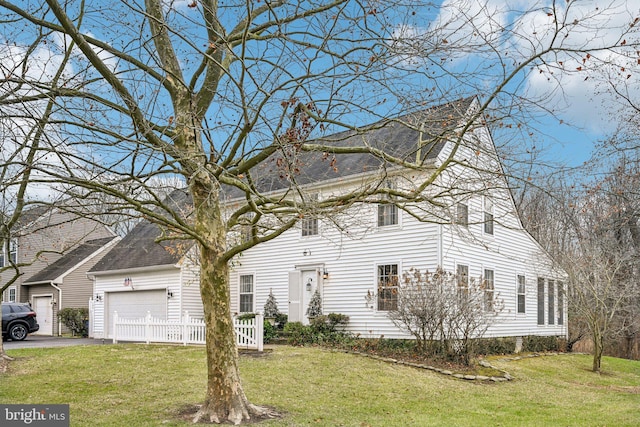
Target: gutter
59 305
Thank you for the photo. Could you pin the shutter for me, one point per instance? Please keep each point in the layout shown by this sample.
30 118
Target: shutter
295 297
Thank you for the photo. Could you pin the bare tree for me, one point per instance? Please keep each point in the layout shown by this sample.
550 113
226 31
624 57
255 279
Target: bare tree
445 312
239 98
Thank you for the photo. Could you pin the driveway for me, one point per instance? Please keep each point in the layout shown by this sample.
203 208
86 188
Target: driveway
41 341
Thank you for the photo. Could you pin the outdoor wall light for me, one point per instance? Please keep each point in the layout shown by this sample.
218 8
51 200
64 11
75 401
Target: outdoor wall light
306 252
169 294
128 282
309 284
325 273
98 298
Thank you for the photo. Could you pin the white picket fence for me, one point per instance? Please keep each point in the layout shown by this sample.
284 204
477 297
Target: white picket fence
188 330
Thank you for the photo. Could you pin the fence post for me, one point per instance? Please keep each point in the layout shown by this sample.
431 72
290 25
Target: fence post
259 331
147 327
115 329
186 328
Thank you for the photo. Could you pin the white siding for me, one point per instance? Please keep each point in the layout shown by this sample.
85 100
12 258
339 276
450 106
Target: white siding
163 278
351 257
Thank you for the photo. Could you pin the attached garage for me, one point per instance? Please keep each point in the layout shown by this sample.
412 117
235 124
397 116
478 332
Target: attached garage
134 305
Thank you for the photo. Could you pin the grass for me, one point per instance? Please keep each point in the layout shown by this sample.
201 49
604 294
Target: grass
139 385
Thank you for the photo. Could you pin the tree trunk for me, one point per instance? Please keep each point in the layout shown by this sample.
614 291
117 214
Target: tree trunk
598 347
225 400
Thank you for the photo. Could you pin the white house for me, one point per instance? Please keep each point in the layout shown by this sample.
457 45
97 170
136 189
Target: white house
466 224
469 226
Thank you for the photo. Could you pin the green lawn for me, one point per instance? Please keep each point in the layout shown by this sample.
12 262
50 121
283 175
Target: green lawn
139 385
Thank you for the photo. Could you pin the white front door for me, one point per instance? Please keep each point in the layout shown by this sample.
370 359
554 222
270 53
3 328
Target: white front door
309 286
44 314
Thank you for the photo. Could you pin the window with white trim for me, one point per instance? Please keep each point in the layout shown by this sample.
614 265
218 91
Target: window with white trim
540 301
9 295
488 286
520 293
560 303
387 287
462 278
13 251
488 216
309 227
388 211
246 293
309 223
462 214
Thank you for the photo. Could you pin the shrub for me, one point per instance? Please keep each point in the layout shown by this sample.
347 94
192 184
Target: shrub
495 345
535 344
269 332
76 319
297 333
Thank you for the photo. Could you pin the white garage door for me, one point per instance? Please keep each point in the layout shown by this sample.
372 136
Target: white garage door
134 305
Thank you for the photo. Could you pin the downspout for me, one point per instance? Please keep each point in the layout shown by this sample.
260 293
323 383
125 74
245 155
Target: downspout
59 305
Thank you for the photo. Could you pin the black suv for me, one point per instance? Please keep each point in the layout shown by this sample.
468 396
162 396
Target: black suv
18 320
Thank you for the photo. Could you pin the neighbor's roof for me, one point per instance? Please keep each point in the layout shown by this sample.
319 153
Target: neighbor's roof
68 261
140 247
420 135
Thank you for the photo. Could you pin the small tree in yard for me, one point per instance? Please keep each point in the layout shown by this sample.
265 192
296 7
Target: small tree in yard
443 312
315 305
271 307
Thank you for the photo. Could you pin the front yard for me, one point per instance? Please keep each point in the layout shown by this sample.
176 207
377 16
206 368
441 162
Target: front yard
139 385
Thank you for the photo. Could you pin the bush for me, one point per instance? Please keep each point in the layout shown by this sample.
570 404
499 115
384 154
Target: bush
298 334
495 345
537 344
269 332
76 319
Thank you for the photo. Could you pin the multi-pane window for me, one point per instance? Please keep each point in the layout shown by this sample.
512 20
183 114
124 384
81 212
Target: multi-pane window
309 227
462 214
462 276
9 295
488 216
246 293
560 303
387 287
488 290
521 293
551 306
540 301
388 211
309 224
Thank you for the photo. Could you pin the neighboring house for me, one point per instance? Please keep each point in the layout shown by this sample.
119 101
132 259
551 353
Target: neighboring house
473 230
141 274
64 284
44 235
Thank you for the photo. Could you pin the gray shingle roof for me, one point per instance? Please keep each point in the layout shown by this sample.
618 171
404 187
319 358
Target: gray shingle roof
140 248
68 261
416 135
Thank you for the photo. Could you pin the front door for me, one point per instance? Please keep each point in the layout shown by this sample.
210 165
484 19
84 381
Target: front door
44 314
302 285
